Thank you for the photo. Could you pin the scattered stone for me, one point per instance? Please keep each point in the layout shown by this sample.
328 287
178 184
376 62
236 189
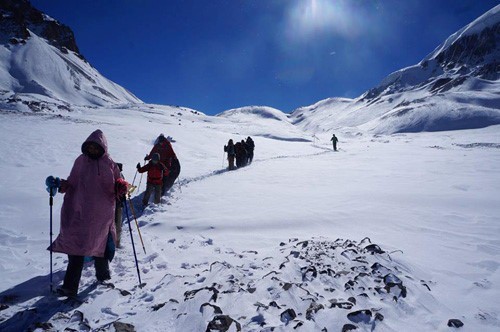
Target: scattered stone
360 316
123 327
288 315
455 323
274 304
374 249
349 327
379 316
287 286
313 308
217 310
222 323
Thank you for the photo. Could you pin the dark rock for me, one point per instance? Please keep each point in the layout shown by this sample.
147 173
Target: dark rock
287 286
313 308
288 315
217 310
374 249
274 304
222 323
123 327
3 306
349 327
299 324
360 316
455 323
379 317
352 300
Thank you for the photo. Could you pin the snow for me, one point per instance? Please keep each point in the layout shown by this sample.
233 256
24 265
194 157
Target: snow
429 198
488 19
399 230
39 68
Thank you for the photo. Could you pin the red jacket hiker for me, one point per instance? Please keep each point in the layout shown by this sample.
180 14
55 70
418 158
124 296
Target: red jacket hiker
164 148
156 172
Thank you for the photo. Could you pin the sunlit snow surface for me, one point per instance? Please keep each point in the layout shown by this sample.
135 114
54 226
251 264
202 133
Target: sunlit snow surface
429 200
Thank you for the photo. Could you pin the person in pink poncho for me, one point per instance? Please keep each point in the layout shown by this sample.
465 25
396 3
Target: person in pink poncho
88 212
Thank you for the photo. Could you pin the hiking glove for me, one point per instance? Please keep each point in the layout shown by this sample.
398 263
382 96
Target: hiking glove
52 184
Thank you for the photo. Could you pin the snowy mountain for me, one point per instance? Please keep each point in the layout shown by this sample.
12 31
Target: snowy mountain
40 64
454 87
390 233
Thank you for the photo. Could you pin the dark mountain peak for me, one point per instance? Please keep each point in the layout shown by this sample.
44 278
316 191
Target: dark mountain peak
18 17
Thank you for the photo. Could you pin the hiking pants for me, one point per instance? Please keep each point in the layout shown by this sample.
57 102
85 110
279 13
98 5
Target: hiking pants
230 159
75 267
149 189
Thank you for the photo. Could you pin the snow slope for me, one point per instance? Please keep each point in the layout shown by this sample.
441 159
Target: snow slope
454 87
37 68
233 242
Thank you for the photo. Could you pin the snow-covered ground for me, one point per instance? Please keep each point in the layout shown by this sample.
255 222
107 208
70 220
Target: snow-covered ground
233 242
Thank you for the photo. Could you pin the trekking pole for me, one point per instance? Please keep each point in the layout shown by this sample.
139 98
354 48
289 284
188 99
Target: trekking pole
133 181
140 180
136 224
51 203
223 155
133 246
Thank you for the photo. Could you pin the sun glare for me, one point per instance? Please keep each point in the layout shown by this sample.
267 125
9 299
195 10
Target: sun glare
307 19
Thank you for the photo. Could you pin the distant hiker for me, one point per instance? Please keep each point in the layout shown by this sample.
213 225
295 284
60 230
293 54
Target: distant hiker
87 213
334 140
119 211
167 158
250 148
241 154
231 154
157 171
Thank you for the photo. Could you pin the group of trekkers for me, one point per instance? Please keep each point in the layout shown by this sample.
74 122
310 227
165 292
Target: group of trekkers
163 169
95 192
241 152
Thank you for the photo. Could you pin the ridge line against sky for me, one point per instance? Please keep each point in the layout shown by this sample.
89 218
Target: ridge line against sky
222 54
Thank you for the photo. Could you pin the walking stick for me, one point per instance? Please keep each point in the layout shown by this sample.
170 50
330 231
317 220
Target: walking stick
140 180
133 246
51 203
133 181
136 224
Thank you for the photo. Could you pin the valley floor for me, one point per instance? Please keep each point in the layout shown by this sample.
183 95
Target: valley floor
232 242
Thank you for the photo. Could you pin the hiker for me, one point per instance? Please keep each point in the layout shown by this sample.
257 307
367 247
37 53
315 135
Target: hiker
157 171
87 213
241 154
334 140
119 211
167 158
250 148
229 148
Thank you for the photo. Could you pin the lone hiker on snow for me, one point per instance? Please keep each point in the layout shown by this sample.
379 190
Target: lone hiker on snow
167 158
88 212
334 140
157 172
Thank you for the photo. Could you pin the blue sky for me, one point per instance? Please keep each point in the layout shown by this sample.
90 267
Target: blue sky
213 55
